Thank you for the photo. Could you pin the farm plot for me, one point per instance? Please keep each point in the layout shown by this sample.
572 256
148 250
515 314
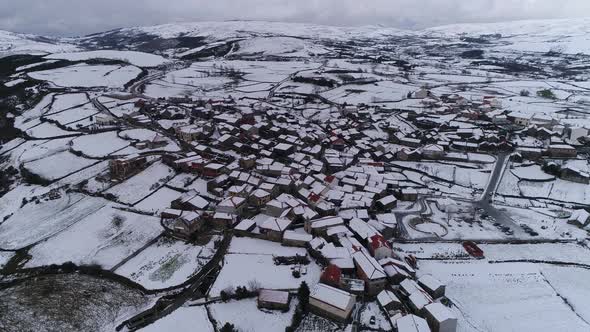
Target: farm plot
24 121
431 250
106 237
279 46
84 175
34 222
84 75
248 318
509 185
139 186
466 177
109 143
58 165
532 173
12 200
572 285
503 297
557 252
47 130
117 107
560 190
41 149
167 263
67 101
368 93
159 200
251 261
73 118
139 59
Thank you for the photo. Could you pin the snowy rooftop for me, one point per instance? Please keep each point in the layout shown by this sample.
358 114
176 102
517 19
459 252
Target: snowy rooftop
412 323
332 296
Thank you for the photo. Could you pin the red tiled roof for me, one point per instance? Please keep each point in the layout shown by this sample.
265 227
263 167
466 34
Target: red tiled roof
314 197
378 241
331 275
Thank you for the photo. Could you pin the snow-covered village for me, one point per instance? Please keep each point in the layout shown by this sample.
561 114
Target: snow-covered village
256 176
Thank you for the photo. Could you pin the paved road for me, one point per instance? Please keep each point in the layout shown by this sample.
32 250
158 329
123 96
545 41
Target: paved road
485 200
482 203
400 215
495 177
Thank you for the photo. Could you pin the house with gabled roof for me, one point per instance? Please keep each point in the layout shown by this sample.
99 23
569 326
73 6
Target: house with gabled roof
233 205
274 228
369 270
331 302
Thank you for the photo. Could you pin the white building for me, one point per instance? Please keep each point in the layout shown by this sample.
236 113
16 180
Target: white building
369 270
440 318
433 286
331 302
412 323
388 301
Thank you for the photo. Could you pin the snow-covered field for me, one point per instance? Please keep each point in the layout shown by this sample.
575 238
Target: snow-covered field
532 36
110 143
251 260
105 237
556 252
83 75
505 297
159 200
183 319
139 59
58 165
47 130
35 222
5 256
167 263
248 318
15 43
139 186
295 80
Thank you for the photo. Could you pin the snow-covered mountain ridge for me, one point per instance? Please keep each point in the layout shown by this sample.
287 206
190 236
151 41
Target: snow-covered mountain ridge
567 36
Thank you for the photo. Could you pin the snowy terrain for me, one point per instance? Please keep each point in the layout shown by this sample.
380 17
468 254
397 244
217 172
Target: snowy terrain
140 168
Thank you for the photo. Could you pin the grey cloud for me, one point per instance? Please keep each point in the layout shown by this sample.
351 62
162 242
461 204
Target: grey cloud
79 17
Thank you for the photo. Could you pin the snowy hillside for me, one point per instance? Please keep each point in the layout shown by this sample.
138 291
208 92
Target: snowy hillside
14 43
567 36
134 58
243 29
180 39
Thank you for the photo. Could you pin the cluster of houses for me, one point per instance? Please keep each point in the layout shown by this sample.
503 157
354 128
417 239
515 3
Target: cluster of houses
328 187
455 123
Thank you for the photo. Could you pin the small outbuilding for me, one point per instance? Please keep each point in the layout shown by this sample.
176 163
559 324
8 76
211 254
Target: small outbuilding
273 299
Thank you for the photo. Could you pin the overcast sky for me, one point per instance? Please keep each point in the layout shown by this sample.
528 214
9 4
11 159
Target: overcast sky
80 17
